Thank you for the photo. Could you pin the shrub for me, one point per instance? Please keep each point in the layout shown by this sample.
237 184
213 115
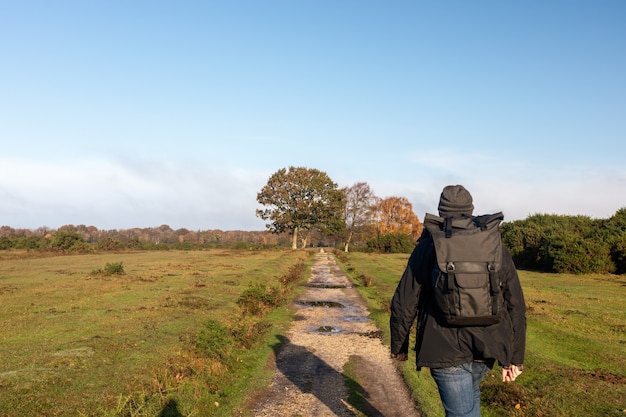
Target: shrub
618 254
215 341
136 244
70 242
572 244
391 243
341 256
247 333
116 268
110 244
365 280
295 274
259 298
6 243
241 245
30 242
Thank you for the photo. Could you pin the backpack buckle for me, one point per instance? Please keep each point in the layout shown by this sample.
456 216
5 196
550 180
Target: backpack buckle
491 267
450 267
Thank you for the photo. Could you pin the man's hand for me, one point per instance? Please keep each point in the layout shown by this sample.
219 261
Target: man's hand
400 356
510 373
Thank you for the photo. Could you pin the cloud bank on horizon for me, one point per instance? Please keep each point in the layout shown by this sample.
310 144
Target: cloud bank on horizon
111 195
124 115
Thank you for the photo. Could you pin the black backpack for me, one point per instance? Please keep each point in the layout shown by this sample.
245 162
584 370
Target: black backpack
465 280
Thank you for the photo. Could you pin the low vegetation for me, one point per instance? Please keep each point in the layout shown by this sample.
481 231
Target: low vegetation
576 350
568 244
174 333
114 268
148 334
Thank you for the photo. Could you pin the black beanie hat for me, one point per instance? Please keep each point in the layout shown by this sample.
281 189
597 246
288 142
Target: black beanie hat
455 200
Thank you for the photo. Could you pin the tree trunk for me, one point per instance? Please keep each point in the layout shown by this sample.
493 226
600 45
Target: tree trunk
347 243
294 241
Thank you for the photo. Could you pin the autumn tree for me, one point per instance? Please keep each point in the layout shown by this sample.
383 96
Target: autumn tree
395 216
359 210
301 198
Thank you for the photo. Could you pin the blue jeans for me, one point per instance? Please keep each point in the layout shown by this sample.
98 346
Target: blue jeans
459 388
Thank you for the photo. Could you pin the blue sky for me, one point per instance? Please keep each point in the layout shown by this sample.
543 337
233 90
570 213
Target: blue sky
123 114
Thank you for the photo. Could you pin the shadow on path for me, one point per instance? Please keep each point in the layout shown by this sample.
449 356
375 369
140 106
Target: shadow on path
310 374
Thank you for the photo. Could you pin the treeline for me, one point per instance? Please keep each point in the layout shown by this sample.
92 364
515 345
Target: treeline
541 242
84 239
568 244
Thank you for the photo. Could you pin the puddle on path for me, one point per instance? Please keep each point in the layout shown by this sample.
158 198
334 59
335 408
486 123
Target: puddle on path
328 330
326 285
356 319
332 330
327 304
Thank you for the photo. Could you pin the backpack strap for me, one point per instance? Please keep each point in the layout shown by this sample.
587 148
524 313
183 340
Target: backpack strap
495 286
447 227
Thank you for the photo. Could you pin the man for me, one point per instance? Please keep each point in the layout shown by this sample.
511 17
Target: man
458 357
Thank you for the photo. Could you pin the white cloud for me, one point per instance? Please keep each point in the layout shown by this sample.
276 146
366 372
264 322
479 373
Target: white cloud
131 193
195 194
516 186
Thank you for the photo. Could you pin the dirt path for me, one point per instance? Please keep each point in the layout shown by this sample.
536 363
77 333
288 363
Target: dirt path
331 328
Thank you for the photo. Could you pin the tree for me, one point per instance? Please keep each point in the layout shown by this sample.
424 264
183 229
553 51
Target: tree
301 199
395 215
69 240
359 210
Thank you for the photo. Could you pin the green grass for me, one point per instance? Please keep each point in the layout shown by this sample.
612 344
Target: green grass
75 341
575 353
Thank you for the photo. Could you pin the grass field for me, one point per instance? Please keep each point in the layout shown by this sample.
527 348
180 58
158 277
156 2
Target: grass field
576 348
75 341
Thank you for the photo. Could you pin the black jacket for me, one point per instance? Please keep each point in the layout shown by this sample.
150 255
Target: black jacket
440 347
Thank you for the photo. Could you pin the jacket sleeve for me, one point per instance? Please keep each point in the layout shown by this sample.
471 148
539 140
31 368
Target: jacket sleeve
516 307
404 304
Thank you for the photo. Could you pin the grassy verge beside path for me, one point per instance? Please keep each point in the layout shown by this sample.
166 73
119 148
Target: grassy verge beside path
576 348
76 340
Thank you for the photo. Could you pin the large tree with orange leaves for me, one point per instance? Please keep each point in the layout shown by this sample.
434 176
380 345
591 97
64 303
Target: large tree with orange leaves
394 215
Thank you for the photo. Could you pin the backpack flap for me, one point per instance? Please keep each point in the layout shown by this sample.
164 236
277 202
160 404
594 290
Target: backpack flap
467 240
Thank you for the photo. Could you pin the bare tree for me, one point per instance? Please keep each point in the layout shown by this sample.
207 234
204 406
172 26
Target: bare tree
359 210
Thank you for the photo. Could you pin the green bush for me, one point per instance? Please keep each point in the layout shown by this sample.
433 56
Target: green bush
247 333
110 244
391 243
568 244
116 268
6 243
30 242
242 245
215 341
68 241
259 298
109 269
618 254
136 244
